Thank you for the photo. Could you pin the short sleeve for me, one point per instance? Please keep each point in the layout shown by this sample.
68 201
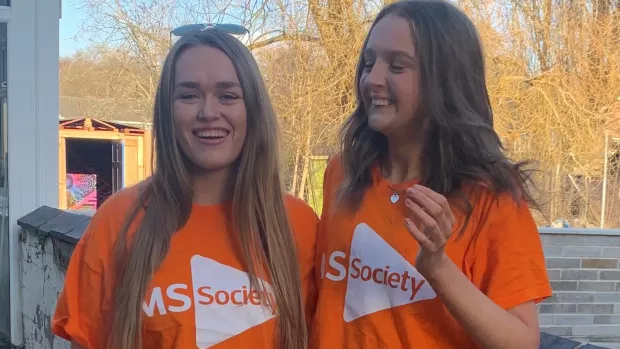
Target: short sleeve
508 262
87 292
78 311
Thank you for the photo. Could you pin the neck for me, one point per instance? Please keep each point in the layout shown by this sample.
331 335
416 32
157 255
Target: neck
212 187
403 162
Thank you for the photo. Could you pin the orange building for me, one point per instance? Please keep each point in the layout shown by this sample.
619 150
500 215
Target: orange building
97 158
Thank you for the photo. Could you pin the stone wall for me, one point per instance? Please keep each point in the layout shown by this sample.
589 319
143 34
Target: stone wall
584 268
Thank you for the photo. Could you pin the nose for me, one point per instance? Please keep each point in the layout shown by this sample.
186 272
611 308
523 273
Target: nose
209 109
377 76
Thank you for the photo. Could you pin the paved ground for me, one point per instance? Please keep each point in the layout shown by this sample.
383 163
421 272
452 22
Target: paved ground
608 345
549 341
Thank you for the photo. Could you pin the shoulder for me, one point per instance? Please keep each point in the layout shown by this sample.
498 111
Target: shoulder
497 207
500 218
334 171
303 220
299 210
332 179
107 222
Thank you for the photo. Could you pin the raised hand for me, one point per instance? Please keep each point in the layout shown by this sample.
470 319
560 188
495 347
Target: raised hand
430 222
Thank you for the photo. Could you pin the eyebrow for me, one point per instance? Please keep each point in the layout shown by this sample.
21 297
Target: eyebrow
393 53
220 85
187 84
227 84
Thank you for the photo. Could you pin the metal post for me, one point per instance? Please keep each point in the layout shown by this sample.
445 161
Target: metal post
605 170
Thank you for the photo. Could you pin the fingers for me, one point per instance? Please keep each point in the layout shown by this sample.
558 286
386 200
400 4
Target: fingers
435 211
430 229
420 215
431 201
426 202
434 215
422 239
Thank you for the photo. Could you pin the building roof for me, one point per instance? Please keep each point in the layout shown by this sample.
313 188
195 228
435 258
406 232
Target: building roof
98 125
103 109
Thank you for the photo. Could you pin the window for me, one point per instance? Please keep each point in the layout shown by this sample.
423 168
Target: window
5 3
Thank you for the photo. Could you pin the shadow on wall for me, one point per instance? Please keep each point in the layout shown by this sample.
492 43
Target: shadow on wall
6 344
47 239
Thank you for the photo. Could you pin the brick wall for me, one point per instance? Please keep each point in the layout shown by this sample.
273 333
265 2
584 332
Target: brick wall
584 268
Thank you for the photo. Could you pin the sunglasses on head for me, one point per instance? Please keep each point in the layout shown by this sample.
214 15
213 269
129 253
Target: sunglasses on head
234 29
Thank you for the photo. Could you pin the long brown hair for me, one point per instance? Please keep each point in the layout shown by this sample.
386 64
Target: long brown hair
460 145
165 203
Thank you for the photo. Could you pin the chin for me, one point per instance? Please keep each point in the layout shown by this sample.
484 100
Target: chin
213 165
378 123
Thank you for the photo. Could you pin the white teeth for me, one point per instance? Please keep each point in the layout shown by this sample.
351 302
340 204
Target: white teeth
382 102
211 133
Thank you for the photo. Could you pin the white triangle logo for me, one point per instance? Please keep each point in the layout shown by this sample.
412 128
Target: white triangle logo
224 304
379 277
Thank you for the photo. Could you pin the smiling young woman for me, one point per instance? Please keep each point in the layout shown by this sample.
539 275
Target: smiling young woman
209 252
426 239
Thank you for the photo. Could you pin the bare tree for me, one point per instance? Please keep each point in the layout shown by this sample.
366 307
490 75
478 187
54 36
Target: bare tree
102 83
553 72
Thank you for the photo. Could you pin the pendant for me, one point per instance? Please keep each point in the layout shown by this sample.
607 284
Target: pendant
394 198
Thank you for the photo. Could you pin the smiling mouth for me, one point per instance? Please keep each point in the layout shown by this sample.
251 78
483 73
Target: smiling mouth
381 102
212 134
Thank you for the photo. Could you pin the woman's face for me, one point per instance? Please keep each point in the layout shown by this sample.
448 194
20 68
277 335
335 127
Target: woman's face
208 108
389 80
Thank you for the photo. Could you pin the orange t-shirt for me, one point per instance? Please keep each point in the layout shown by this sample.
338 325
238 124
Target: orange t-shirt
372 296
200 295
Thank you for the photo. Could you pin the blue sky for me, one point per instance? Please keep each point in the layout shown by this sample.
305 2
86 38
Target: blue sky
70 24
73 18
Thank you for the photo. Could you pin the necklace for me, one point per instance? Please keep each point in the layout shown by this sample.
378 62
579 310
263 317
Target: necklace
394 198
395 194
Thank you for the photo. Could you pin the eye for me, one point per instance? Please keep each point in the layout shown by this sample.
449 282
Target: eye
188 96
228 97
396 68
368 64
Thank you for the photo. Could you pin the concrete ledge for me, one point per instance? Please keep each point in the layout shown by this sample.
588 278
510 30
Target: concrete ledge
69 225
47 221
579 231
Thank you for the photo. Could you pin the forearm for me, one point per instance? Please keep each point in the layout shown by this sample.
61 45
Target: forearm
489 324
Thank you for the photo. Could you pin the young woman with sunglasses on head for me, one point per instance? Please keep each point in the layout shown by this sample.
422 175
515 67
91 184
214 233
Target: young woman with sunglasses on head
426 239
208 252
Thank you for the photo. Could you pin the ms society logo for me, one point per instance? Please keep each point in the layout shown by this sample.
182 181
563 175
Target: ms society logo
224 303
377 276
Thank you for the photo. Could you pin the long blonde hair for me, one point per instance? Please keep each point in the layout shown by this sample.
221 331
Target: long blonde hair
165 203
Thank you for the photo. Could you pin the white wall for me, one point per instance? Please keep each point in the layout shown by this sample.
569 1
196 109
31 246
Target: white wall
33 37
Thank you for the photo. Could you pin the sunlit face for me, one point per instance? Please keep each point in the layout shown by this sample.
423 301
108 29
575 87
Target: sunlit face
389 80
208 110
